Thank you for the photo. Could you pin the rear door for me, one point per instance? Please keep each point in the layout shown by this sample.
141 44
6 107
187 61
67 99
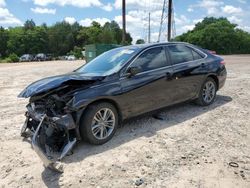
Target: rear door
150 89
187 71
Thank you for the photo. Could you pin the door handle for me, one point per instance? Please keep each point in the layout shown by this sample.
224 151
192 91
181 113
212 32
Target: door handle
203 65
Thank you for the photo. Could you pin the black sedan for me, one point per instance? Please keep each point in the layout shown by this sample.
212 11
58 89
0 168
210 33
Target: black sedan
89 103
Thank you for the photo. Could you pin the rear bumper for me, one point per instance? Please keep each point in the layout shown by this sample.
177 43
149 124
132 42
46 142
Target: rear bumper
222 78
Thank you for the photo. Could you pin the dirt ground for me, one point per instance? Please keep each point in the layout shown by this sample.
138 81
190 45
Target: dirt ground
192 147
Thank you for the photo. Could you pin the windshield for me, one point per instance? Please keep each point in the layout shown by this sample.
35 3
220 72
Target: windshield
108 63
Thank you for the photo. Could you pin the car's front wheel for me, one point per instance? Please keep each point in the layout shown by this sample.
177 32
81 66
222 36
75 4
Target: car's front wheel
207 93
99 123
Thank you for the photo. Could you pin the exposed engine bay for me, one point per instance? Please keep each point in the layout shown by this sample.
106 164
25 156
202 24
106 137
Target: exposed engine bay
51 128
51 121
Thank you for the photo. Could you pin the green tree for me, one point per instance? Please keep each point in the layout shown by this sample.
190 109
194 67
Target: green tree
140 41
129 39
29 24
13 58
116 30
61 38
218 34
93 33
58 39
110 33
107 37
82 37
16 40
4 36
77 52
36 40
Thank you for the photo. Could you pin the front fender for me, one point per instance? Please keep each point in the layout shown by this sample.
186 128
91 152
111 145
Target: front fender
110 91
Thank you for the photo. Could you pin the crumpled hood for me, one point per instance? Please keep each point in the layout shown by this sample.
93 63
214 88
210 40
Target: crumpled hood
54 82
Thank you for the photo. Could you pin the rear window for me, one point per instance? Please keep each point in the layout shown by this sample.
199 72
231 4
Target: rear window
197 55
180 54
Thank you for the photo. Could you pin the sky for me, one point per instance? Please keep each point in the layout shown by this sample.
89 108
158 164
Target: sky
186 13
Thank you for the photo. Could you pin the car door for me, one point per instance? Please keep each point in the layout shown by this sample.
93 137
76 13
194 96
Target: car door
150 88
187 77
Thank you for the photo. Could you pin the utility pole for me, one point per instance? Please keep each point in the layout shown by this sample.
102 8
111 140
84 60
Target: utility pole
149 28
167 23
170 5
123 21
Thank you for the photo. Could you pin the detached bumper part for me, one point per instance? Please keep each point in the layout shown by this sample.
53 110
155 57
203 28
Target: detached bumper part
36 146
48 161
67 148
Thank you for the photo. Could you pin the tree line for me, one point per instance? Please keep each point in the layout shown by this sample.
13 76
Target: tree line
58 39
218 34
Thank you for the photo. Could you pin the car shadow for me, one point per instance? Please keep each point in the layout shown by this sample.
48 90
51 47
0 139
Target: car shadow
136 128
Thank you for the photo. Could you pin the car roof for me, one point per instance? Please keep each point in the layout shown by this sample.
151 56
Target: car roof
143 46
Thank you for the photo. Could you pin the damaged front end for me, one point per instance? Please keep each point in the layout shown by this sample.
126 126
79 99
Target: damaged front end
52 120
52 131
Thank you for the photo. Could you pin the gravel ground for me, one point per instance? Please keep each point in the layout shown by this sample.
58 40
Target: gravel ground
192 147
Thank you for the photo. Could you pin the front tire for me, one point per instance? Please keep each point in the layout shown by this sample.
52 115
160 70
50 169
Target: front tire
207 93
99 123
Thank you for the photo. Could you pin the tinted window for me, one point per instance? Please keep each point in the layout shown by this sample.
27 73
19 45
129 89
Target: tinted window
196 55
151 59
180 54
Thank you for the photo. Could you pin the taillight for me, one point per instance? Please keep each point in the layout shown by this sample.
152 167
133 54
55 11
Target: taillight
222 62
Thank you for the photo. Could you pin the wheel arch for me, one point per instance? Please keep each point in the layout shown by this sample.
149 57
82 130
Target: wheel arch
215 78
111 101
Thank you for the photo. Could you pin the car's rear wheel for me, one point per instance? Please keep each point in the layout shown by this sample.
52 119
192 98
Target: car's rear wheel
99 123
207 93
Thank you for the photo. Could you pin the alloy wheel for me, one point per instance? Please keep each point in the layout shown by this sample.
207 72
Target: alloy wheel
103 124
209 91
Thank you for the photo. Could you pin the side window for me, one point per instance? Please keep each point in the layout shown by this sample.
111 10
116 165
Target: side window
180 54
151 59
196 55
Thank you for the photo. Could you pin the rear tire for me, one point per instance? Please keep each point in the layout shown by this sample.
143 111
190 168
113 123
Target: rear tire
99 123
207 92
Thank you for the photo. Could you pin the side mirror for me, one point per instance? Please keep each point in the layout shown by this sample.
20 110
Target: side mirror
132 71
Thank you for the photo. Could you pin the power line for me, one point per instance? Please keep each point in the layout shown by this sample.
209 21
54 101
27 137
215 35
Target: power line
167 19
162 19
173 22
